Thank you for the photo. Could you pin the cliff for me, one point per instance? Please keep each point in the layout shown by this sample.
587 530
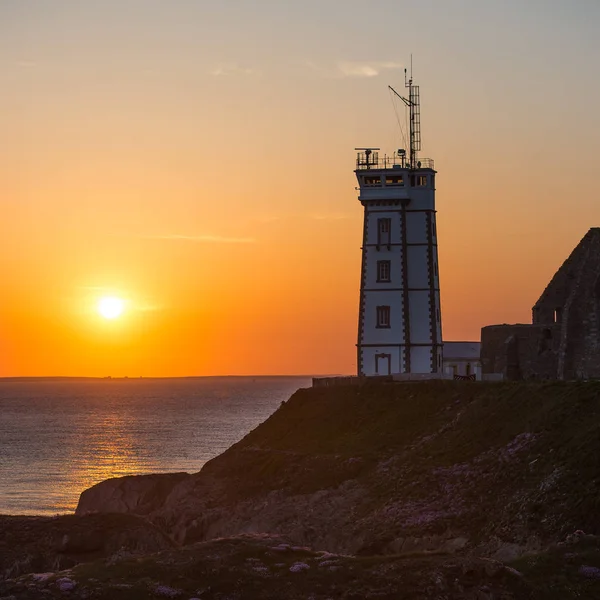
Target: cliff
392 490
494 470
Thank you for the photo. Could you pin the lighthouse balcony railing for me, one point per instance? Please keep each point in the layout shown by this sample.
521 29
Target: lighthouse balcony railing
365 162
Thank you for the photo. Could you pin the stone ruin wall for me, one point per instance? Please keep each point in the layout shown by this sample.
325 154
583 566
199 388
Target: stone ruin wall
564 340
580 353
520 351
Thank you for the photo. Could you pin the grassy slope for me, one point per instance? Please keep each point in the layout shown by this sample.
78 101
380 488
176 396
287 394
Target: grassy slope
521 459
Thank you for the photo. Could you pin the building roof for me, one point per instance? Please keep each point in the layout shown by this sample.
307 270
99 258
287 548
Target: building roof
464 350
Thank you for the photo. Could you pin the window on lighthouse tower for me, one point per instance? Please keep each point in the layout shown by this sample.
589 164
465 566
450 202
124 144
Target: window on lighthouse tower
383 231
383 316
383 271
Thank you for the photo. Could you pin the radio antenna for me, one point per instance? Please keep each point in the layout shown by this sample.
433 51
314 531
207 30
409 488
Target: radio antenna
414 108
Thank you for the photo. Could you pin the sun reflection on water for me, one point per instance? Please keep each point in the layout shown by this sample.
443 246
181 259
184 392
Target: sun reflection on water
109 451
59 438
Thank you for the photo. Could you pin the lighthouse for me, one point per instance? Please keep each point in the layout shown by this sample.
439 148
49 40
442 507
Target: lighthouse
399 323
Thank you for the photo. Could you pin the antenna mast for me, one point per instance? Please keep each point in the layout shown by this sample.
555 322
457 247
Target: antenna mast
414 107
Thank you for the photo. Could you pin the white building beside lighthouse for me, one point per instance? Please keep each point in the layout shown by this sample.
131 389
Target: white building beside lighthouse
400 325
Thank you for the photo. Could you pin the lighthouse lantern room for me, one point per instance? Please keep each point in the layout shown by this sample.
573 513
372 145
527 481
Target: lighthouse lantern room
400 326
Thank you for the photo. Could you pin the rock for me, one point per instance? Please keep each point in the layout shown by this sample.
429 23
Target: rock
454 544
42 577
589 572
137 494
507 552
298 567
166 591
493 568
513 571
65 584
261 569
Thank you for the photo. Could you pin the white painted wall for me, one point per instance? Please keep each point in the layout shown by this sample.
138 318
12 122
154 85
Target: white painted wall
420 329
368 355
416 227
394 255
420 359
372 229
461 367
395 333
374 340
418 270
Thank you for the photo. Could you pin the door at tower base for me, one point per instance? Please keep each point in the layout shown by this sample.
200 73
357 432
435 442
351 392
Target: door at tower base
390 361
383 364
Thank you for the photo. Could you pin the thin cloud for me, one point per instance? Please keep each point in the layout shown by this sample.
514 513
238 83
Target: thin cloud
232 69
214 239
366 69
318 68
354 68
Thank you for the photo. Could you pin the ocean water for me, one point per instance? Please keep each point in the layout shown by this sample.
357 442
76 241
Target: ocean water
58 437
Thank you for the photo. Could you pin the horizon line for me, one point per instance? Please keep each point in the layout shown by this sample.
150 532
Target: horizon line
138 377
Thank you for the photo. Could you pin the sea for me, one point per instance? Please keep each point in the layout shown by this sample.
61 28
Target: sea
61 436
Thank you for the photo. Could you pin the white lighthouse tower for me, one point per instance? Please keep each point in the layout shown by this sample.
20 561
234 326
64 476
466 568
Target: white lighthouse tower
399 325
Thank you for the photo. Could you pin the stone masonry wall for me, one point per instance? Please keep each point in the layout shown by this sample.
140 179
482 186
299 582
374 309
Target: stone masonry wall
564 340
580 353
520 351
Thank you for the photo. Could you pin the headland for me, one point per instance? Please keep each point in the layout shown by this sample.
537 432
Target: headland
433 489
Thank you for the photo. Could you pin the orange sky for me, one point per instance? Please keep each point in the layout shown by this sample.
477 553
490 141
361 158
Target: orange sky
197 160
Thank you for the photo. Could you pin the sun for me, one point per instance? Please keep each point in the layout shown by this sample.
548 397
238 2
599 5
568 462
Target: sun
111 307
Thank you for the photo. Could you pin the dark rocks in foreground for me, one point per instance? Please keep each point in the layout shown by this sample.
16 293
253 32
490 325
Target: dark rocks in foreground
267 567
36 544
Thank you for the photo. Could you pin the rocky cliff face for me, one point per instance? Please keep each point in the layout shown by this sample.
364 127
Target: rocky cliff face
138 495
495 470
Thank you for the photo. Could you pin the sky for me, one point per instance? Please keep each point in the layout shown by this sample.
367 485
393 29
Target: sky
196 160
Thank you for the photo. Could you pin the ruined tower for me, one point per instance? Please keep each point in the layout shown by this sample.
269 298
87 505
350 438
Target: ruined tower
563 341
400 327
